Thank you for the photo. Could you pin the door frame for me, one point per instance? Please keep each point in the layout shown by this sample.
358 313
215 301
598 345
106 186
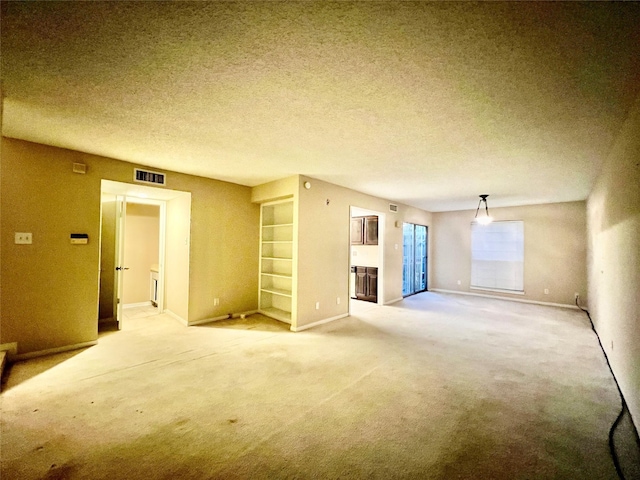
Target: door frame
135 193
118 276
355 211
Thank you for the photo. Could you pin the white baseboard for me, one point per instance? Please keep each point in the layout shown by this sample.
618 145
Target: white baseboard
10 348
139 304
246 314
498 290
395 300
319 322
222 317
209 320
51 351
3 360
177 317
499 297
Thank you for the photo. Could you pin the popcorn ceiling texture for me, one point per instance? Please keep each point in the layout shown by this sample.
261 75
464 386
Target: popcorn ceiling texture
427 104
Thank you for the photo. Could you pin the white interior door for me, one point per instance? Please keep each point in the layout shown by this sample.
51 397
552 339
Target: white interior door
121 216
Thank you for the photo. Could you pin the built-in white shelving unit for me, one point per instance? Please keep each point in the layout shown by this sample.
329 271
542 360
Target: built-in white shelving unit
277 260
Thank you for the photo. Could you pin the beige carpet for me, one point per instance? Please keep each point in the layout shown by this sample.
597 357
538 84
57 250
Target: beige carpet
436 386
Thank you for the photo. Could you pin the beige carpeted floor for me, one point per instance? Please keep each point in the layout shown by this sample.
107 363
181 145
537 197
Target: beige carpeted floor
436 386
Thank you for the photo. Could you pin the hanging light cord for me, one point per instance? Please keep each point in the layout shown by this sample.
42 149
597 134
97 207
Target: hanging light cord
478 209
612 449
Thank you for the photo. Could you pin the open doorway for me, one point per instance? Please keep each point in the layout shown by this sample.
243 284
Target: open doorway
414 258
141 296
137 251
366 253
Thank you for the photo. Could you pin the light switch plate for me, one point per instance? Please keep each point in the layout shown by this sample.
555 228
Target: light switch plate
23 238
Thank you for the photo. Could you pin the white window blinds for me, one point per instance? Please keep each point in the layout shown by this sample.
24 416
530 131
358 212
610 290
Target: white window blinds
497 256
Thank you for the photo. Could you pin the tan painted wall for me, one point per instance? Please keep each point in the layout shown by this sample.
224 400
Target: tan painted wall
225 233
107 256
554 250
324 247
50 289
141 245
614 259
276 190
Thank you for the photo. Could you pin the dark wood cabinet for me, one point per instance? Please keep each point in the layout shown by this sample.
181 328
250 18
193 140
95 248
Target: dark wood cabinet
367 284
364 230
357 231
372 284
370 230
361 282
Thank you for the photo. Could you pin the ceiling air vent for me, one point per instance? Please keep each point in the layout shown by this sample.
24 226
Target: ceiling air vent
145 176
393 208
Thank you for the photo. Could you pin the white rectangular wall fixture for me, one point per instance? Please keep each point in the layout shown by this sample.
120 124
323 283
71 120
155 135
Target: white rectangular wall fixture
23 238
79 168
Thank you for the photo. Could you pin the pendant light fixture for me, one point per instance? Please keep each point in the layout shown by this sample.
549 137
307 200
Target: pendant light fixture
483 219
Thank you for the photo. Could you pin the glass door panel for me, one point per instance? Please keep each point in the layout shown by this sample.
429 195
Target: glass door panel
420 258
407 259
414 259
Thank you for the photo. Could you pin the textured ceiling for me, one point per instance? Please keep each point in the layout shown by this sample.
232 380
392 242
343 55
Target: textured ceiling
428 104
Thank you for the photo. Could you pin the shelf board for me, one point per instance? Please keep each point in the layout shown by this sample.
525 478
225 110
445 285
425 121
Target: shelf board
274 225
278 258
277 291
277 241
281 275
276 313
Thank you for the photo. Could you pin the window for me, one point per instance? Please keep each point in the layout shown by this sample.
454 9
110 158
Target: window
497 256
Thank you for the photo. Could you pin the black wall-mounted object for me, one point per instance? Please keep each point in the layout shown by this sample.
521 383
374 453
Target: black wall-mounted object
79 238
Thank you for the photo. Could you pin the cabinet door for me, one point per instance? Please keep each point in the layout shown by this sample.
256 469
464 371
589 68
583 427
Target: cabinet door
371 230
372 284
357 231
361 283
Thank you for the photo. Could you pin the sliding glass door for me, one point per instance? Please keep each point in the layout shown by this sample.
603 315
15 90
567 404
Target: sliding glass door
414 259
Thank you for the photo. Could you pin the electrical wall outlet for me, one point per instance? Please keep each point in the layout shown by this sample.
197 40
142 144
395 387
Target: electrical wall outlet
216 302
23 238
459 282
576 296
546 291
317 305
337 300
